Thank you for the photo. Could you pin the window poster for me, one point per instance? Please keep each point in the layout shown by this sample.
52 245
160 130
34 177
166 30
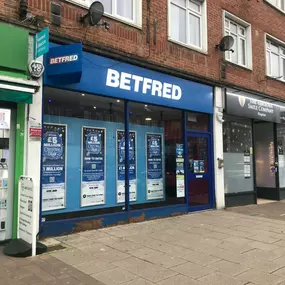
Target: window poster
180 183
121 166
93 167
54 167
154 167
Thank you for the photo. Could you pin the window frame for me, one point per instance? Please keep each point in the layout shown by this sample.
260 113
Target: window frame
137 12
247 38
278 6
281 45
203 24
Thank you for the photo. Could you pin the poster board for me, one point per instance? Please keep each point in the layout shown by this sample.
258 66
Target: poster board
54 167
27 212
93 166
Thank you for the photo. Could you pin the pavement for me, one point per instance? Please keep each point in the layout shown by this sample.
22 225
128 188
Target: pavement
206 248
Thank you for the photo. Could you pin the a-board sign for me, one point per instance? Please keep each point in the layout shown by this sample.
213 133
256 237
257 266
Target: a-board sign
27 215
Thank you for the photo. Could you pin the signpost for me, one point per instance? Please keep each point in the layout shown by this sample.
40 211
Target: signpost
41 43
27 217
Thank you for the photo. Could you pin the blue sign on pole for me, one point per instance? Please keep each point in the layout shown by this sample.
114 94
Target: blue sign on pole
41 42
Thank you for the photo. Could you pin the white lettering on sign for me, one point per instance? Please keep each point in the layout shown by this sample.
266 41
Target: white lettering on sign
132 82
63 59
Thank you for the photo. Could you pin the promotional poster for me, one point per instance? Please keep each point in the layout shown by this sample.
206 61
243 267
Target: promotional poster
53 167
121 166
93 167
154 167
180 183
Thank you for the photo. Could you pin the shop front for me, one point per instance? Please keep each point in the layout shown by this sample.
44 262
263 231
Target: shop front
95 106
253 138
20 97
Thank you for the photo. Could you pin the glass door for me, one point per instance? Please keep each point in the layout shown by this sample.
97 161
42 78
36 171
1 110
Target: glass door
199 173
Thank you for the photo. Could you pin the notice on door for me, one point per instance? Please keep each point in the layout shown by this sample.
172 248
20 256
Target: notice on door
27 211
180 183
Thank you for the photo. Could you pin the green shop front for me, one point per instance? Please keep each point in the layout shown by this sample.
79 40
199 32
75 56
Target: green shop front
16 96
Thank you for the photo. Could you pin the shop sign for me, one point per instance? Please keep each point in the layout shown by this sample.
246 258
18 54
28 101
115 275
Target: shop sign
41 42
64 64
247 106
103 76
36 69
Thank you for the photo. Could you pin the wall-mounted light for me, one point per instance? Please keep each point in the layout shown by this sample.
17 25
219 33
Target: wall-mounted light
148 119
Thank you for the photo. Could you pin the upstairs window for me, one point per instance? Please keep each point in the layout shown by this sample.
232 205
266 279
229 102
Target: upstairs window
241 33
187 23
128 11
275 60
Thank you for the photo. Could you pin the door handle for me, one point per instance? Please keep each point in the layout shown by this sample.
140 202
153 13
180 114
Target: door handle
199 176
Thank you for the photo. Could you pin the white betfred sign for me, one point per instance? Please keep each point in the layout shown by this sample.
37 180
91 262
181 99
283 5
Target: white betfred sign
63 59
144 85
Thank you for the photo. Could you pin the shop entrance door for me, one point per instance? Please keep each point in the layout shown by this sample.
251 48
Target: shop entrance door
199 171
7 165
266 163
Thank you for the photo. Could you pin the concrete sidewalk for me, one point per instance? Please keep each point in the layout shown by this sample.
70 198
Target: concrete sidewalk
210 248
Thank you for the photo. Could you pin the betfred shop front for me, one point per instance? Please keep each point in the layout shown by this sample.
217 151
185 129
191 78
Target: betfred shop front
96 106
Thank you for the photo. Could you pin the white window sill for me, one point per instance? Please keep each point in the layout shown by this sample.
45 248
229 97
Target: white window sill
275 7
275 78
200 50
125 21
239 65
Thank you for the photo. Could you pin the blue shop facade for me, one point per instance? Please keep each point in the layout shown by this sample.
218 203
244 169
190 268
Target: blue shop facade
93 108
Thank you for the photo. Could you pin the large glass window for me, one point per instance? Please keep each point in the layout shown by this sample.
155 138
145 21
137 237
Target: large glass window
238 162
81 170
159 157
187 22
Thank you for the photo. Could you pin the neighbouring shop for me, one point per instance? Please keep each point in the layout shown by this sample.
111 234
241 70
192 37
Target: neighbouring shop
19 95
253 139
96 106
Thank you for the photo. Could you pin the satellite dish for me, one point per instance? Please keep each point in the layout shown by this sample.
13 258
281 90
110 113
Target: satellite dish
94 14
226 44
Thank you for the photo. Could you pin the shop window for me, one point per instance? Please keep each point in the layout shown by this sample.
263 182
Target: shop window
197 121
80 156
281 153
238 149
159 158
187 22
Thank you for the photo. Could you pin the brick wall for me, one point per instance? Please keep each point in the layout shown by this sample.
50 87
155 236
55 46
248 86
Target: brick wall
132 41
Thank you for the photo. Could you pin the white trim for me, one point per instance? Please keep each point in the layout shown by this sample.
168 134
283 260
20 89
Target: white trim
17 88
137 12
274 6
203 32
248 38
22 81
